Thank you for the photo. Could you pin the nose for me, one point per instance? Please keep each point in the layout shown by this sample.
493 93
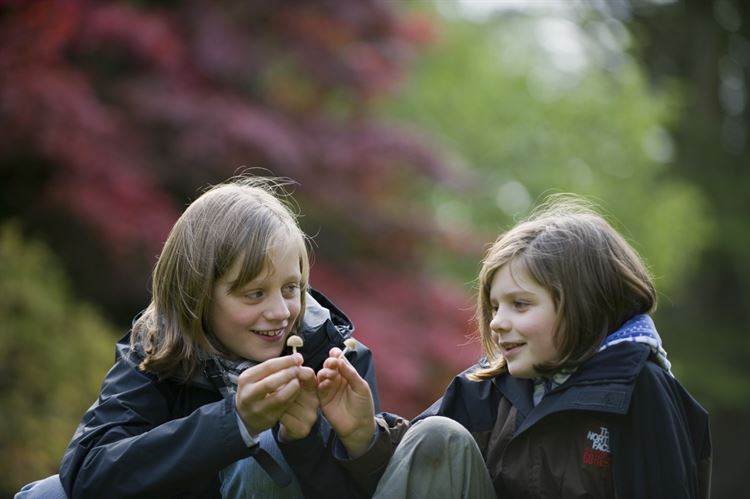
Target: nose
499 321
277 308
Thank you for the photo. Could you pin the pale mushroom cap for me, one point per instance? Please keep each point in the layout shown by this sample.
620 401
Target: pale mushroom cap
294 341
350 343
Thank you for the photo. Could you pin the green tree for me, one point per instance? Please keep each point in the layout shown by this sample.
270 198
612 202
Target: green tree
703 46
54 351
527 123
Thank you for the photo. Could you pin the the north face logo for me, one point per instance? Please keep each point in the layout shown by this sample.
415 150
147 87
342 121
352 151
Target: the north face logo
598 453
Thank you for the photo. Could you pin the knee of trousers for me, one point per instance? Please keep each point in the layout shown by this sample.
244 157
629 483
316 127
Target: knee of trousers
438 437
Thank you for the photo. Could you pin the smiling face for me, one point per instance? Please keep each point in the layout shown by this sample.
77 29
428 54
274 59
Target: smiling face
254 321
523 320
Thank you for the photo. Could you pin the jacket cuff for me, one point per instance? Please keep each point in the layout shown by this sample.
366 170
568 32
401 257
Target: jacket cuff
368 468
250 441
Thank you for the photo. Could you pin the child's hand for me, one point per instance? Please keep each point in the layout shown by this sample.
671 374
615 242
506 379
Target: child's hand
346 401
265 391
302 413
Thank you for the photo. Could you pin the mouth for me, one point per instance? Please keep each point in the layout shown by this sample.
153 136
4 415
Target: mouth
269 333
510 347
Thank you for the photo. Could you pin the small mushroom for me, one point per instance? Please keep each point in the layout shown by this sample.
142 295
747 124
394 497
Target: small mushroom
295 342
351 345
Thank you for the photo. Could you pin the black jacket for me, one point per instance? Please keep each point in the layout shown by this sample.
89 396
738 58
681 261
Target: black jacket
149 438
620 426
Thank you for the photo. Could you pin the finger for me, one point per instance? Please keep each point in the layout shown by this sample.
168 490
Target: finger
261 414
270 367
329 389
304 407
284 396
335 366
298 417
335 352
331 362
347 371
261 389
327 373
307 399
307 378
329 381
303 413
274 404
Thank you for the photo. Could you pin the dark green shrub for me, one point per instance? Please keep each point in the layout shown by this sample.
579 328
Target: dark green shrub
54 352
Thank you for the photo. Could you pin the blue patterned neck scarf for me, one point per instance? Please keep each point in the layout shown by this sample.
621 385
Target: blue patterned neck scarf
641 329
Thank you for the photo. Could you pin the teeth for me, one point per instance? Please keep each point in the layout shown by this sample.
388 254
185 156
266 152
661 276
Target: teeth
273 332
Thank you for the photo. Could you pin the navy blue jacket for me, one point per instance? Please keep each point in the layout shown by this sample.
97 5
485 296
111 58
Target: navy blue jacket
653 436
620 426
149 438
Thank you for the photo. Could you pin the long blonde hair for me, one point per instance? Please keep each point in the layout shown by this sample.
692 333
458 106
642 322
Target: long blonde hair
596 279
239 219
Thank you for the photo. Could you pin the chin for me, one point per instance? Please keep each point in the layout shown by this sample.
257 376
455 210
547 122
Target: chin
521 373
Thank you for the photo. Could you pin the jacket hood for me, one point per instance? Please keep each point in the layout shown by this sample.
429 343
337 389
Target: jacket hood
323 327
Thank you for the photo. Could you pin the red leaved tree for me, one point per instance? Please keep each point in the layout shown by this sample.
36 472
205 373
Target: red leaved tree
114 113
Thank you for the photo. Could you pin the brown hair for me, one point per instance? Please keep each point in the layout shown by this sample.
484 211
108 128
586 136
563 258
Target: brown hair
596 279
242 218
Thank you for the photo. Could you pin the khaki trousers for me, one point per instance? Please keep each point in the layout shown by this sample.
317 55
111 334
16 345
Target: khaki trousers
437 458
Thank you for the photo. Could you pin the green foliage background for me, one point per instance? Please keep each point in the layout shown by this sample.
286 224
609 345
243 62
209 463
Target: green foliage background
476 97
54 352
603 132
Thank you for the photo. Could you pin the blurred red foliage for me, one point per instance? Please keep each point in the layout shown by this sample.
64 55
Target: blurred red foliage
417 329
114 113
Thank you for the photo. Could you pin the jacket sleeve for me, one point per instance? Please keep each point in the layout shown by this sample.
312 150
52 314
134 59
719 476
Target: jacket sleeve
367 469
663 446
312 459
128 445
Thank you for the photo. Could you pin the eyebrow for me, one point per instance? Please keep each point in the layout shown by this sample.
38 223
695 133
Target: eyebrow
514 293
296 276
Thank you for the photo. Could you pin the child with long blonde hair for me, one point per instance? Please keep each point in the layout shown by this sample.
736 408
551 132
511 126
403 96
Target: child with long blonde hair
204 379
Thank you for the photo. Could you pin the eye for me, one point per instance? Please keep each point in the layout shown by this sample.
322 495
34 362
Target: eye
255 294
520 305
291 290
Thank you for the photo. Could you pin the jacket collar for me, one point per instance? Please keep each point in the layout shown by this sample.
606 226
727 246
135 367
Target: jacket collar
604 383
324 327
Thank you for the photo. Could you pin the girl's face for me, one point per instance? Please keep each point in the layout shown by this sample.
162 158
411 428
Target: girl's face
254 322
523 321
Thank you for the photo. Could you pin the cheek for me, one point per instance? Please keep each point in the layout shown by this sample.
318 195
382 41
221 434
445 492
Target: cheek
542 330
295 308
237 314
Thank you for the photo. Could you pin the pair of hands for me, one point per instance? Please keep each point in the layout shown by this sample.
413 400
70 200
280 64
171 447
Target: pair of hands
283 390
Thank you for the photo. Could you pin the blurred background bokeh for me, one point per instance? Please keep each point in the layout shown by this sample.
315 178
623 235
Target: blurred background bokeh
415 130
